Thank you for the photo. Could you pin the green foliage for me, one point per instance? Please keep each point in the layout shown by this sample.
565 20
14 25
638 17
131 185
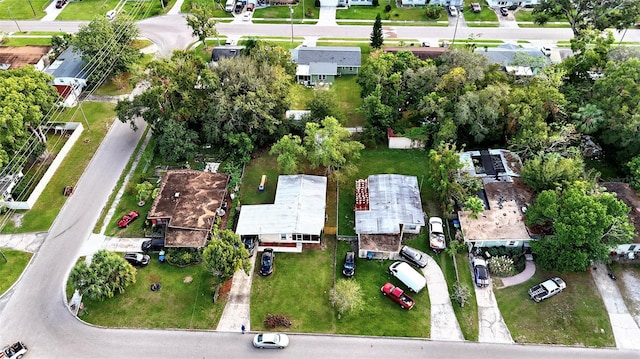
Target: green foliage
432 11
461 293
584 226
201 23
346 296
225 254
475 205
588 118
387 8
634 172
501 266
59 43
25 98
551 171
107 275
144 190
289 151
378 116
324 104
183 256
377 37
444 164
106 45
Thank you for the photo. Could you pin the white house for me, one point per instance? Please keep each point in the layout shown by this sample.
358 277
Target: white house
69 75
387 206
296 217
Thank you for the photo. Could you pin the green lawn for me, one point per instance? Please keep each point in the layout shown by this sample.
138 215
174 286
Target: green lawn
468 314
177 305
575 317
264 164
283 12
216 5
347 92
486 14
90 9
22 10
526 15
396 14
99 115
12 267
379 161
24 41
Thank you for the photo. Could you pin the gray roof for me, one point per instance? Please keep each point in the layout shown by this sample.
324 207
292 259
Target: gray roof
219 52
68 64
393 200
299 207
341 55
323 68
505 54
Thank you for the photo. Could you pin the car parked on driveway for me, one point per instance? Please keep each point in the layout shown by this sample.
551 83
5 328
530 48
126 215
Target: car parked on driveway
60 4
475 7
127 219
137 259
251 245
349 266
453 11
153 245
480 272
504 11
271 341
436 234
266 262
414 256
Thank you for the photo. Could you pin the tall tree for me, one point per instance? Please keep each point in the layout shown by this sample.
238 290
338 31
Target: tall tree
225 254
583 14
551 171
107 275
290 151
324 103
346 296
25 98
201 23
379 117
480 114
377 37
582 227
444 163
106 47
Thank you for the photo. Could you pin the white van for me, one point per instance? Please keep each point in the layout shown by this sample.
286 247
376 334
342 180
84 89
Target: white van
409 276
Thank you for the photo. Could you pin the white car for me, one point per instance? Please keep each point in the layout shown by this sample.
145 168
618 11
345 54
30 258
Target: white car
246 16
271 341
111 14
436 234
453 11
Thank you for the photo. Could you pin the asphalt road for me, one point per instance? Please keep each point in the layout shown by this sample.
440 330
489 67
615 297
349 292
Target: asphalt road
35 311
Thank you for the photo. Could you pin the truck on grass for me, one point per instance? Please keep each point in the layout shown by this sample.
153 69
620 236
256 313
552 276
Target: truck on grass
397 295
547 289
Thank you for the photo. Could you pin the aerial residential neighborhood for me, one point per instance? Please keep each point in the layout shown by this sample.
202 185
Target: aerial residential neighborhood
177 174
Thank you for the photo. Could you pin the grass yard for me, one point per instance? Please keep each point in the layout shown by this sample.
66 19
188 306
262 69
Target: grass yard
218 9
298 288
283 12
396 14
467 315
379 161
25 41
372 275
12 267
347 92
177 305
90 9
263 164
526 15
21 10
576 317
486 14
100 117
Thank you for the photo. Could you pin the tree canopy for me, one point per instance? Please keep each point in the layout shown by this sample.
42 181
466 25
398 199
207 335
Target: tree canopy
201 23
107 275
25 99
582 227
225 254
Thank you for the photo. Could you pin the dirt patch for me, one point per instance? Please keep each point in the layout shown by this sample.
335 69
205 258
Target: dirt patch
187 279
226 287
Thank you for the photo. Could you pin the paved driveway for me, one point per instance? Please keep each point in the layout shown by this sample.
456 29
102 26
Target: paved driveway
444 324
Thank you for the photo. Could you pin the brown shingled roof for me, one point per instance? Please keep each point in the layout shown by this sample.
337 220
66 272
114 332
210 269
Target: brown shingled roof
21 56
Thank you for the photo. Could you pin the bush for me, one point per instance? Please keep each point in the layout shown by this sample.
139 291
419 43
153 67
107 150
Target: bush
501 266
515 253
182 257
461 293
387 8
375 3
272 321
433 11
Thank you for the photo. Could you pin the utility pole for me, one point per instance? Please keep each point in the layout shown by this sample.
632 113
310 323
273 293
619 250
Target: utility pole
302 10
18 26
291 11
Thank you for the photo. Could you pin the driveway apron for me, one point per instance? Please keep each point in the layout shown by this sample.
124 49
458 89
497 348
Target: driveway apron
237 311
444 324
492 326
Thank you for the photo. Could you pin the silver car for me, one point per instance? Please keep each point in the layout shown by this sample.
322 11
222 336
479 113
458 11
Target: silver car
270 341
414 256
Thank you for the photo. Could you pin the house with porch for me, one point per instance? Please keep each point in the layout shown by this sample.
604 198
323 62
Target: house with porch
387 206
505 197
295 219
322 64
69 76
187 206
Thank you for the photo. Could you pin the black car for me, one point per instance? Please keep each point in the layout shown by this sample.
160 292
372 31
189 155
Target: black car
250 245
504 11
153 245
266 262
137 259
60 4
349 266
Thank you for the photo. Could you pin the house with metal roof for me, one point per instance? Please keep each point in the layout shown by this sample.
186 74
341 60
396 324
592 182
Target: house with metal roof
187 206
509 56
387 206
69 75
296 217
321 64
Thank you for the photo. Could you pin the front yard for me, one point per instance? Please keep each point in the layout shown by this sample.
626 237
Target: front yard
12 264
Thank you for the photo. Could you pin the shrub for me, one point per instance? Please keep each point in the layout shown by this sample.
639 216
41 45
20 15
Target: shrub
272 321
433 11
182 257
375 3
501 266
461 293
387 8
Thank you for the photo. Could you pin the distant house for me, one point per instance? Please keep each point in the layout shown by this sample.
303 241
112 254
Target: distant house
506 54
413 2
421 52
628 195
322 64
15 57
508 3
387 206
225 51
502 223
187 206
69 75
401 142
296 217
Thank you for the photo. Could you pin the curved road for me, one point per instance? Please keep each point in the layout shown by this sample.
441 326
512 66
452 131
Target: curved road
34 310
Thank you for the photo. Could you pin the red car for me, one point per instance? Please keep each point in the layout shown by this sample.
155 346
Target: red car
128 218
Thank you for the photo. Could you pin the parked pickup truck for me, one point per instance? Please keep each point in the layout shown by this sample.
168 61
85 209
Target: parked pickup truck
397 295
547 289
15 350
